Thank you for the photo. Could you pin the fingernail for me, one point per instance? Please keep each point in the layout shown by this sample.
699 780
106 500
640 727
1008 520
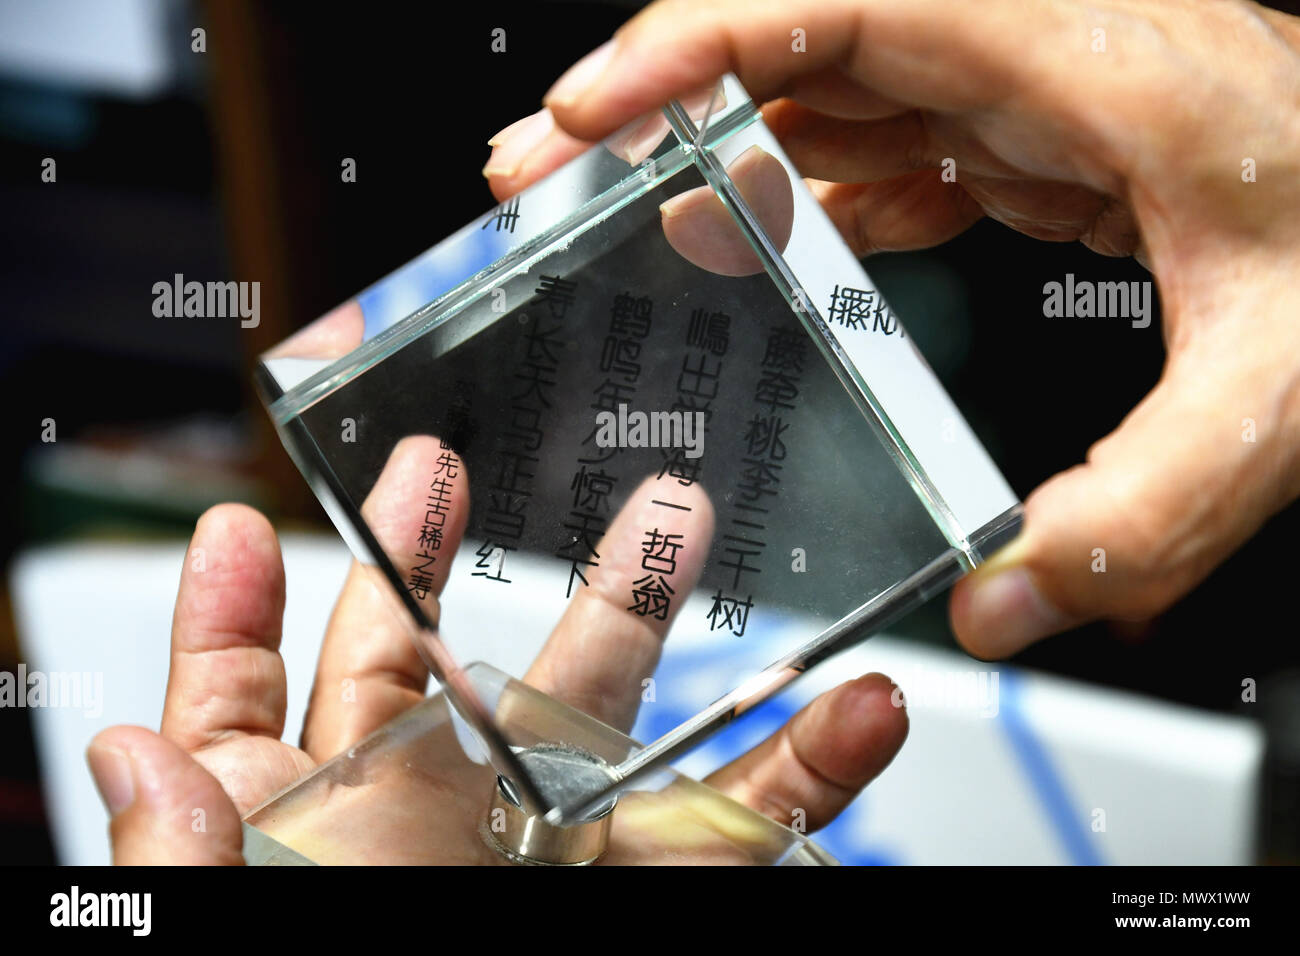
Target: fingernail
513 144
683 201
1007 612
114 777
570 87
640 141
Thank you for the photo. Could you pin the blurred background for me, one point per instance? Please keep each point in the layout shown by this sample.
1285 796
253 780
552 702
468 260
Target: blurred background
217 155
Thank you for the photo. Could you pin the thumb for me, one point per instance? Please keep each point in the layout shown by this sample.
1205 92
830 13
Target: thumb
1190 474
165 808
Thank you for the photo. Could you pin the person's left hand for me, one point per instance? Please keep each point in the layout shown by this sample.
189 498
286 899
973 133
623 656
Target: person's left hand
220 747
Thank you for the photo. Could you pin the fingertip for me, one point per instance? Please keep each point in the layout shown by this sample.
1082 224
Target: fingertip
233 520
418 508
964 628
417 449
109 758
165 807
500 185
998 612
678 518
703 232
232 537
692 497
392 507
161 772
527 151
120 737
874 700
512 146
851 733
232 581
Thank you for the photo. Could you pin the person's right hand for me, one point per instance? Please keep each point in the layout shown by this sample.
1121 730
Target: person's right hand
1134 140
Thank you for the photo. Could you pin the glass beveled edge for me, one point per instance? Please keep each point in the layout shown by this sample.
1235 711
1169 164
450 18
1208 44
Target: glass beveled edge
640 180
999 532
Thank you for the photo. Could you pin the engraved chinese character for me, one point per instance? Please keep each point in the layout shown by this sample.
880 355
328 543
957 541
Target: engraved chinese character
652 596
659 551
630 316
506 216
730 613
556 294
786 351
764 437
591 489
491 561
850 308
709 330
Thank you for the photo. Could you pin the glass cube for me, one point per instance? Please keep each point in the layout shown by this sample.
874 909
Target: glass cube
654 401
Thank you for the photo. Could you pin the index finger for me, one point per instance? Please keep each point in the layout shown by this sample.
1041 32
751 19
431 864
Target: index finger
226 675
924 53
604 647
370 669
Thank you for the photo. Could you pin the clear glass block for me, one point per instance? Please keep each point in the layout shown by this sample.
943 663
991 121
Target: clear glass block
471 423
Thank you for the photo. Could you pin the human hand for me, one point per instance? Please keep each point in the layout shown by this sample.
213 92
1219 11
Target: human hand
1142 147
220 747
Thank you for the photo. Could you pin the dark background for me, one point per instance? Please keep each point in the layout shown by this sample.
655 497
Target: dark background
232 171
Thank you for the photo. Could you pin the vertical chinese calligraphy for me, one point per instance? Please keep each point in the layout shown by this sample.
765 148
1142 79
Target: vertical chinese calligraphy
697 385
520 444
758 477
437 507
630 320
652 594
